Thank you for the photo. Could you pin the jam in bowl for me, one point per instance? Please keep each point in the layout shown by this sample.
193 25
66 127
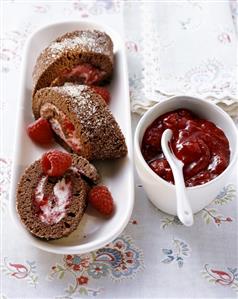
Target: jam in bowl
198 143
204 139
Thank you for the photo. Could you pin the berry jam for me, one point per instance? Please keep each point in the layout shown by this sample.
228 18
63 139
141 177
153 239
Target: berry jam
198 143
85 73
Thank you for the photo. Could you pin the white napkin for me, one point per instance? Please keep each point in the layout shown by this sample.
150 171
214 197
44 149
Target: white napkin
190 48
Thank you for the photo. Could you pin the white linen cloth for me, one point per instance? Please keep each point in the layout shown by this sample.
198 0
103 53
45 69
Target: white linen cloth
155 257
188 47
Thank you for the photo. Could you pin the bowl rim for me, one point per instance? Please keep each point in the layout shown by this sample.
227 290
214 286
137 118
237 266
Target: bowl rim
146 116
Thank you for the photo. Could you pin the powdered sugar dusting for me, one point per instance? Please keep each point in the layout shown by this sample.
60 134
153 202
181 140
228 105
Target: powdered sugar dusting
81 97
87 39
73 90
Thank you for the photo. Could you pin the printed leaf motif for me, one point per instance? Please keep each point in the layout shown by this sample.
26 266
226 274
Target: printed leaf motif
83 291
167 251
70 289
61 274
227 194
176 254
211 280
59 268
167 221
168 260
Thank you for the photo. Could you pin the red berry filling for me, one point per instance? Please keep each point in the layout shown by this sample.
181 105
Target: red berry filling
103 92
199 144
83 73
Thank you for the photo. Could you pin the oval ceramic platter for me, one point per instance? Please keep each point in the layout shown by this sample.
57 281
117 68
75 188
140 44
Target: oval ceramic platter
93 231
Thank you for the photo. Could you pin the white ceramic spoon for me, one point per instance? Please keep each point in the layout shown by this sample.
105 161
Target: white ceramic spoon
184 210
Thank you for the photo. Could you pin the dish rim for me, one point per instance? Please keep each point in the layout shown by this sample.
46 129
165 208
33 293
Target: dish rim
98 243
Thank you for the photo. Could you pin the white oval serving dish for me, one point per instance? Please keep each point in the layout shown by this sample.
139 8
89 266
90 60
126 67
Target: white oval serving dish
93 232
160 192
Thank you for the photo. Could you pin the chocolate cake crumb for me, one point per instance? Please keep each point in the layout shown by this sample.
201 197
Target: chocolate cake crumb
86 169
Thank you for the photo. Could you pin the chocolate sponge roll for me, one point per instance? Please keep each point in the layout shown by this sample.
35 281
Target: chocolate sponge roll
86 169
59 61
81 120
47 221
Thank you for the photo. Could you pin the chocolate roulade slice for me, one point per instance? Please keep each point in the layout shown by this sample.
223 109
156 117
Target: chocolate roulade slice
52 207
85 169
85 57
81 121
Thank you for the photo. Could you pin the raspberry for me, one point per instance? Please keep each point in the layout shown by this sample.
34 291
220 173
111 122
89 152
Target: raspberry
55 163
40 131
101 199
103 92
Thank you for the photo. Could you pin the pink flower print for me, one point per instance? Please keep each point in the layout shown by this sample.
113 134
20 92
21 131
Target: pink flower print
223 278
20 271
131 46
26 271
224 38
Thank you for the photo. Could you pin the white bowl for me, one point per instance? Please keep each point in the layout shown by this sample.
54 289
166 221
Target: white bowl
159 191
93 231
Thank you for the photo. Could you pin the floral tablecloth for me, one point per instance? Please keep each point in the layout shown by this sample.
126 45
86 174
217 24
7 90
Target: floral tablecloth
155 257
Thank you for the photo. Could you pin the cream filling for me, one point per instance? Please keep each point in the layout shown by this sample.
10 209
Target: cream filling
72 140
39 191
54 209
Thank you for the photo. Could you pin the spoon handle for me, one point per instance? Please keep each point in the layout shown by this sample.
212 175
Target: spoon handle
184 210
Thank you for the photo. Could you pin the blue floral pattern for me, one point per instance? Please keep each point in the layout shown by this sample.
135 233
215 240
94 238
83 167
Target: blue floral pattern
97 270
118 260
179 251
